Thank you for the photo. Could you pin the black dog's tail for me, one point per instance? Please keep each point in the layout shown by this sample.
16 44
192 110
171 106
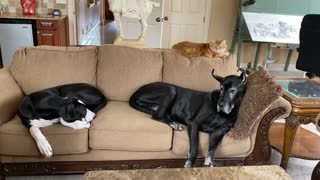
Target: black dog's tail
134 105
103 103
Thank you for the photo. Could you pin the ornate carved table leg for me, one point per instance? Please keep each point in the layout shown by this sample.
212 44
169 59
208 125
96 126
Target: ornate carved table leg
2 177
316 172
291 126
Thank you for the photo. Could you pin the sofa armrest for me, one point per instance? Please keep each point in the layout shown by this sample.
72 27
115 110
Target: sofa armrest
10 96
279 109
261 148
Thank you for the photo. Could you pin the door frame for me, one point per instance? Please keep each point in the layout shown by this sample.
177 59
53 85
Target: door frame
206 23
207 20
72 22
103 11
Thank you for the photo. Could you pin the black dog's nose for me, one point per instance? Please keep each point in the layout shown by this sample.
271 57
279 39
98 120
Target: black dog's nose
221 104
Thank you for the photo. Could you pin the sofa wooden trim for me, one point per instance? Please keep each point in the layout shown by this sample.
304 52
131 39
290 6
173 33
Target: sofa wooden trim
2 177
260 156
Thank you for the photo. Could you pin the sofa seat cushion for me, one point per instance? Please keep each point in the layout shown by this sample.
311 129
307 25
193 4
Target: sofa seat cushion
228 147
37 68
120 127
15 139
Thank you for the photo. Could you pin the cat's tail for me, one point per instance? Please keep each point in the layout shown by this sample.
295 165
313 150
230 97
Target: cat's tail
175 46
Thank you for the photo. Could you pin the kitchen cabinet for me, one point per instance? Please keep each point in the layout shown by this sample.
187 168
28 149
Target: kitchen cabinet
52 32
48 37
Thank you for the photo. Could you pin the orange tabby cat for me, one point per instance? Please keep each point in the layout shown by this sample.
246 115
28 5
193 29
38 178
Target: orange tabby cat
217 48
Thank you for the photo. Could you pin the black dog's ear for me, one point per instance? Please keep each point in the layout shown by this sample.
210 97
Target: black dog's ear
243 76
218 78
66 111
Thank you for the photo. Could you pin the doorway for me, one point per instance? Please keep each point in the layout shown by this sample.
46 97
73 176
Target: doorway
185 20
172 22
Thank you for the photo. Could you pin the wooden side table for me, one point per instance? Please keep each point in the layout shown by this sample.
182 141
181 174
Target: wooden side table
304 97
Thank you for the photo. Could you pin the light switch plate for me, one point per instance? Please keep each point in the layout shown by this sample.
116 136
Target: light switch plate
61 1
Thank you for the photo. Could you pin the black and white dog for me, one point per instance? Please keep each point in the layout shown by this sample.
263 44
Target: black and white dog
214 113
73 105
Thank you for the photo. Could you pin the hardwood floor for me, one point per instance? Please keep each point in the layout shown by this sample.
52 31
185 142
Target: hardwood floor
306 144
101 34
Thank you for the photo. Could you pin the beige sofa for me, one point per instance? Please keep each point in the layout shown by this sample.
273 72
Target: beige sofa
120 137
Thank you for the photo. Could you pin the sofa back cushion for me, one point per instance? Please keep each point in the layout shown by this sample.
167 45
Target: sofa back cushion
195 73
37 68
122 70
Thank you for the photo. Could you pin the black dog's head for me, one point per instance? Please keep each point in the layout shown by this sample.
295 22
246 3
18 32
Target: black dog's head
72 110
231 91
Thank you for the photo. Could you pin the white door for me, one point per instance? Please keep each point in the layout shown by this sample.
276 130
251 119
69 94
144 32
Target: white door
187 21
132 28
153 37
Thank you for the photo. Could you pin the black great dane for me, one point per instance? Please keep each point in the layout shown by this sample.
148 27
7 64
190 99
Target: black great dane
210 112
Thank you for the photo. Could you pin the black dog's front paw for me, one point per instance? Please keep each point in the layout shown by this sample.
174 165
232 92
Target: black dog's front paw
188 164
176 126
208 162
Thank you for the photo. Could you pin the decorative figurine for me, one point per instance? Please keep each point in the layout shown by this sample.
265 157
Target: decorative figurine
139 9
28 6
56 13
2 9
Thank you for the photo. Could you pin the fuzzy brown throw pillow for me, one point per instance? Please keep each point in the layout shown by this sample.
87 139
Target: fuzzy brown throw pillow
261 92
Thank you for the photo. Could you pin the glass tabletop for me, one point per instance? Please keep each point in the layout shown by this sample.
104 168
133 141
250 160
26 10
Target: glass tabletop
300 88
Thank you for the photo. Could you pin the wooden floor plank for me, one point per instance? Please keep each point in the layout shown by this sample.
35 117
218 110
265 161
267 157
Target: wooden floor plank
306 144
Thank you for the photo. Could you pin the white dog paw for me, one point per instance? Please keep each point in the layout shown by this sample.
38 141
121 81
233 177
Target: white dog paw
44 148
188 164
89 116
81 125
208 162
76 124
176 126
87 126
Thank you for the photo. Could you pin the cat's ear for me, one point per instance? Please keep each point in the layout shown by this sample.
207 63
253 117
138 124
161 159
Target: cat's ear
218 78
223 42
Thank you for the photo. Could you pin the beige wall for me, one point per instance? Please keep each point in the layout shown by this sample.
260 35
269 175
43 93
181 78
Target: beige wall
223 17
87 18
222 21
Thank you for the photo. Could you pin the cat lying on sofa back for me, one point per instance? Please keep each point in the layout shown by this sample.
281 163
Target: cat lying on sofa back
217 48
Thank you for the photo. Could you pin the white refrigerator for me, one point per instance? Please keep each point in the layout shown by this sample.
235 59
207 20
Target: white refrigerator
13 35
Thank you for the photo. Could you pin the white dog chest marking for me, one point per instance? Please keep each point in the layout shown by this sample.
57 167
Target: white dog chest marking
43 122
